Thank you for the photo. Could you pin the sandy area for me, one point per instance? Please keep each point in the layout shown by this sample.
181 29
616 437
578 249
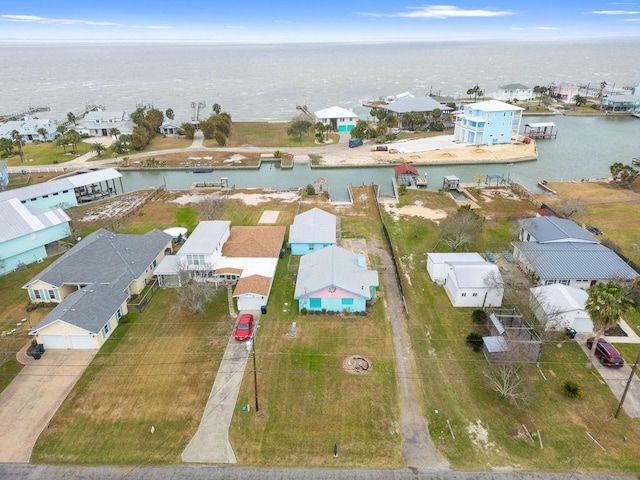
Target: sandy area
248 198
415 210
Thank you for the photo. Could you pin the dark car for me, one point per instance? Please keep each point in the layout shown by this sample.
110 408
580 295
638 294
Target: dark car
606 353
355 142
35 351
594 230
244 327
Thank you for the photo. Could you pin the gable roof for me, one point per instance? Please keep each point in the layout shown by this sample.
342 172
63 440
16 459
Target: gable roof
456 257
17 220
514 86
558 298
493 106
335 112
256 284
254 241
334 266
313 226
205 238
554 229
415 104
574 261
476 275
104 257
405 169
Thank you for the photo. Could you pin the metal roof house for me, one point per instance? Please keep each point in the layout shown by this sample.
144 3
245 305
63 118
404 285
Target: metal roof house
26 232
423 104
621 103
488 123
98 123
558 307
311 231
337 118
548 229
91 285
514 91
334 280
68 191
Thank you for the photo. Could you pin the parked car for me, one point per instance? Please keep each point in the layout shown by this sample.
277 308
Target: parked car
355 142
36 351
606 353
244 328
395 131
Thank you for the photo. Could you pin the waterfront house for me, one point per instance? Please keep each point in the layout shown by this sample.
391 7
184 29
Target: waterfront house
558 307
405 174
98 123
487 123
4 175
621 103
564 91
91 285
311 231
30 129
243 257
68 191
334 280
468 279
27 232
514 91
549 229
425 105
169 127
337 118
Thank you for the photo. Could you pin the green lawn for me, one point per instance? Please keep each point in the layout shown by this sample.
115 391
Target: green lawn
264 134
47 154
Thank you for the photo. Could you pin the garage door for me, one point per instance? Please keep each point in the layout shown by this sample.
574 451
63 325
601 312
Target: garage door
53 341
249 303
81 341
583 325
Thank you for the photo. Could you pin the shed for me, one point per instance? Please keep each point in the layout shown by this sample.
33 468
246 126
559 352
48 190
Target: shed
451 182
405 173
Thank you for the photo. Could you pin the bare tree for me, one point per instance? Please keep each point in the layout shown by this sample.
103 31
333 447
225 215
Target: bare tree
210 207
569 207
194 296
462 228
508 384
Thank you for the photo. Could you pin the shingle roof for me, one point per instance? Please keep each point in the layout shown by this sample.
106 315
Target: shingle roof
313 226
334 266
493 106
514 86
415 104
405 169
575 261
254 242
256 284
554 229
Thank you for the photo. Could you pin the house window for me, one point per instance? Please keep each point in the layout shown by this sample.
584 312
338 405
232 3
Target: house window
347 301
119 314
315 303
464 295
154 264
52 294
36 295
106 329
563 282
475 294
550 282
312 247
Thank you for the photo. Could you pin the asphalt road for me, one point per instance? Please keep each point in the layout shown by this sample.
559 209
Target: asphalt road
48 472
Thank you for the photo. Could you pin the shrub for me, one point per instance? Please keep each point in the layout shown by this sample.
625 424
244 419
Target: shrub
572 389
124 319
402 189
479 316
474 340
303 311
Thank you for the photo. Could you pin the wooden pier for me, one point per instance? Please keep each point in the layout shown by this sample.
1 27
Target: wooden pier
19 115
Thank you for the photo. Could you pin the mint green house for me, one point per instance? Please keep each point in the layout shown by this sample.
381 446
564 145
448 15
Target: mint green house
338 119
26 232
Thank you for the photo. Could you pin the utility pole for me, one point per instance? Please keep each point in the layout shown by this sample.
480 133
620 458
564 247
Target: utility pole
626 389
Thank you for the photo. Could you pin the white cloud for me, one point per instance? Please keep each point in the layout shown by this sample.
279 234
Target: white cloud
545 28
234 27
444 11
614 12
69 21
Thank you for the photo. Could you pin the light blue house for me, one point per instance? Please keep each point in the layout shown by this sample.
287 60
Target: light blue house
30 129
338 119
311 231
488 123
621 103
4 175
335 280
68 191
26 232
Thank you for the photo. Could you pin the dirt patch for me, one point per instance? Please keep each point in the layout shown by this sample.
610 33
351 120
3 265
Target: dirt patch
357 364
480 436
254 198
415 210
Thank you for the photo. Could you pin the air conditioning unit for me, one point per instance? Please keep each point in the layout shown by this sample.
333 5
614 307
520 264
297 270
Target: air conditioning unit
40 260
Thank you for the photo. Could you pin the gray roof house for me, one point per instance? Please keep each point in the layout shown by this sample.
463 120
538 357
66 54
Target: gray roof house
424 105
513 91
28 128
335 280
312 230
91 284
98 123
552 230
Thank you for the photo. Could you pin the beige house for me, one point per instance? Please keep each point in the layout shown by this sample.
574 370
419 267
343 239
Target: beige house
91 285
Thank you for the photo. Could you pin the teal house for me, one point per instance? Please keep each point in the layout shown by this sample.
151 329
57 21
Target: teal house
337 118
311 231
26 232
4 175
335 280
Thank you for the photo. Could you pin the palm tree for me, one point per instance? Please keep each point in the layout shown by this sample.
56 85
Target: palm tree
17 141
606 302
114 132
169 113
61 129
98 148
603 85
217 108
43 133
71 118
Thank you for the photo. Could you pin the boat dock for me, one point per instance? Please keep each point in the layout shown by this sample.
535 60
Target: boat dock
541 130
635 161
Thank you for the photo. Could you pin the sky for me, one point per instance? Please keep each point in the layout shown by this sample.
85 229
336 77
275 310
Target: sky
268 21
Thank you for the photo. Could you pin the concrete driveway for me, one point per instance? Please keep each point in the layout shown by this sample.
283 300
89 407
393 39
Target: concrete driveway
33 397
617 378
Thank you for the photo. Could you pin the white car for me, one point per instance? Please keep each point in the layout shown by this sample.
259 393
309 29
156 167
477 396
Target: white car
395 131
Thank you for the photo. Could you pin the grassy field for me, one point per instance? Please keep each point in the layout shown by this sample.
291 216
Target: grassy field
47 154
264 134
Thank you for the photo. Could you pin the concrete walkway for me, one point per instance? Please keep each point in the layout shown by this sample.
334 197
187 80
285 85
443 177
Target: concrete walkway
198 139
211 444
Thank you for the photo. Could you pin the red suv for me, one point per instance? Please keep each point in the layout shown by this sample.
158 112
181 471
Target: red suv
244 327
606 353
